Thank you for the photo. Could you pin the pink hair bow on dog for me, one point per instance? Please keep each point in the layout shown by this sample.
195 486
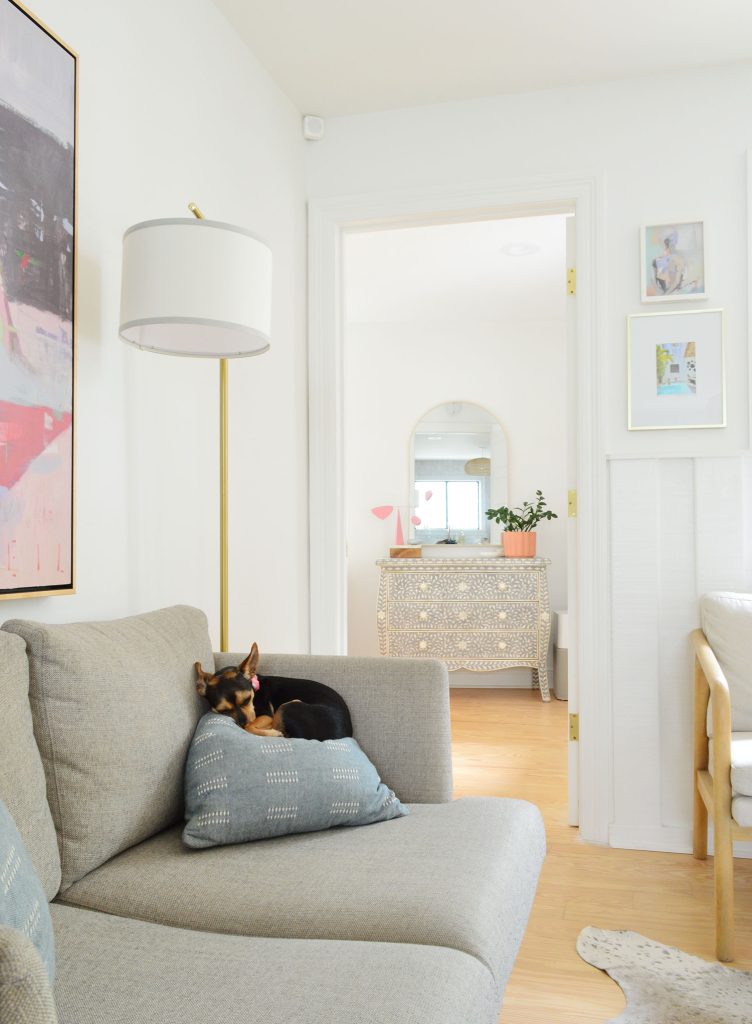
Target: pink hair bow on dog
255 683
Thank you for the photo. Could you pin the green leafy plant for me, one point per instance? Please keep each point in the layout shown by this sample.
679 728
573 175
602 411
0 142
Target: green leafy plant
525 517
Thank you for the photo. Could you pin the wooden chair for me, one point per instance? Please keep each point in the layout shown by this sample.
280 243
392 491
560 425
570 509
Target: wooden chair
718 790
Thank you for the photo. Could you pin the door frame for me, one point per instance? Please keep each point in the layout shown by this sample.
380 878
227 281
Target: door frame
329 219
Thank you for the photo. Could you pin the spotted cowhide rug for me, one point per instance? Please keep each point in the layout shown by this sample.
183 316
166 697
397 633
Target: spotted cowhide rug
662 985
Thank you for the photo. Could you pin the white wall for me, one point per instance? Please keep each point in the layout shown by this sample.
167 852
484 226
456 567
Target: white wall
394 374
665 147
172 108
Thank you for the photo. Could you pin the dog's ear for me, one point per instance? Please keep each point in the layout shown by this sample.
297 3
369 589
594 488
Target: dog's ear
248 667
202 680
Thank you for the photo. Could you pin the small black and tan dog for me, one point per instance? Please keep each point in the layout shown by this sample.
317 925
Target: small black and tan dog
275 705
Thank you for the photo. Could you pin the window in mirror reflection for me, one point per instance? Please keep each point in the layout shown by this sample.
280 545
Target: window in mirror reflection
454 505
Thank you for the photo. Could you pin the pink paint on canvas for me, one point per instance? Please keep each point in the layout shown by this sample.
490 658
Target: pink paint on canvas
35 527
36 465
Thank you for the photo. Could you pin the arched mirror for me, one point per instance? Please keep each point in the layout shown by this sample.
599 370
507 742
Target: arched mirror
458 469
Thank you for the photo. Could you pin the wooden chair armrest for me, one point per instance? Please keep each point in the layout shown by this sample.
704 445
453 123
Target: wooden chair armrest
721 710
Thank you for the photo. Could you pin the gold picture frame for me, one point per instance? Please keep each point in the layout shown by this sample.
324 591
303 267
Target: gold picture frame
38 308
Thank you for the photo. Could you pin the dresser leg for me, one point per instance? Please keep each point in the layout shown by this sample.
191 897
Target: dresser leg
541 674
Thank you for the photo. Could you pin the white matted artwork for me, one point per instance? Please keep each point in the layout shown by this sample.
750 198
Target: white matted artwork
675 372
673 261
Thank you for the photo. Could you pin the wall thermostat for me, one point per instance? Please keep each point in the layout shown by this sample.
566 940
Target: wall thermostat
313 128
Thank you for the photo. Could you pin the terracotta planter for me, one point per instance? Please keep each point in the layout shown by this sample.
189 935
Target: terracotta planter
518 544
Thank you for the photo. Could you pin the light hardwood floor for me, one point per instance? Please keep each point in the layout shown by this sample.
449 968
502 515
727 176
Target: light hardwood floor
507 743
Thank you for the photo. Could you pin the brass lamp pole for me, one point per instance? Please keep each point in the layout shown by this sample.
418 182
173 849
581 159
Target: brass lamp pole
223 505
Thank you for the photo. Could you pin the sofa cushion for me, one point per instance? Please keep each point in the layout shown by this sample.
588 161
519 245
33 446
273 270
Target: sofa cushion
727 625
461 875
132 972
115 707
240 787
25 993
22 783
741 810
741 762
23 904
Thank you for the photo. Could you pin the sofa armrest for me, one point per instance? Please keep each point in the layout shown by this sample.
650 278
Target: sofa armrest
400 713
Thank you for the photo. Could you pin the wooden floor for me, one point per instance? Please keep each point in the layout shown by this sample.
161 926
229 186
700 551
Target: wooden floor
507 743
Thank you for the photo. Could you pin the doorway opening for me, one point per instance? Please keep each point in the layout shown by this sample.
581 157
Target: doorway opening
455 388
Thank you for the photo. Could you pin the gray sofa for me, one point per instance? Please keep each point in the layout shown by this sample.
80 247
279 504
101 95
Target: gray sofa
413 920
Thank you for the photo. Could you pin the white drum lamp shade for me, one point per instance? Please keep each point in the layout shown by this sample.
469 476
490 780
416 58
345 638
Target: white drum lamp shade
195 288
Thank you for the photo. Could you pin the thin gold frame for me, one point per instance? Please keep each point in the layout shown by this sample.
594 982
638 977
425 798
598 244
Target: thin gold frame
63 591
678 426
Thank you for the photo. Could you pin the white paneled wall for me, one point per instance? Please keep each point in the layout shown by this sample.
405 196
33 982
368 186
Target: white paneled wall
679 527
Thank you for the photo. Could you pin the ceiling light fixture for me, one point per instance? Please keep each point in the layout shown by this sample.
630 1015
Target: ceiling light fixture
520 249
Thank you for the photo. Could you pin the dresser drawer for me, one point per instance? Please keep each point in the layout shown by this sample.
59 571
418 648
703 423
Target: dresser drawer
463 646
462 615
463 586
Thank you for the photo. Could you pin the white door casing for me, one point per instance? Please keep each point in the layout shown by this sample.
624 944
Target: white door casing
329 219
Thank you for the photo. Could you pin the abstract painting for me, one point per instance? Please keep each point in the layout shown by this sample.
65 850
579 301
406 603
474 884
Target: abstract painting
676 370
673 262
37 291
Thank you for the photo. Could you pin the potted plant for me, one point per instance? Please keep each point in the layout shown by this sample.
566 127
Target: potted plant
519 534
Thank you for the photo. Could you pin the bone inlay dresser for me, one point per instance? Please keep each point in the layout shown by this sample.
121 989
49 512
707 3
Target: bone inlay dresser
479 614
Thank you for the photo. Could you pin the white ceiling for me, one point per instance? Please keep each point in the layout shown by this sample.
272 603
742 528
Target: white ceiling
457 272
335 57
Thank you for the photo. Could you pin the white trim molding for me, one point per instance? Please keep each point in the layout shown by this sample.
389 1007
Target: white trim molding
329 220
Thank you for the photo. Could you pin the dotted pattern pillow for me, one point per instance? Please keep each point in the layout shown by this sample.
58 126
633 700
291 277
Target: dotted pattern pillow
240 787
23 904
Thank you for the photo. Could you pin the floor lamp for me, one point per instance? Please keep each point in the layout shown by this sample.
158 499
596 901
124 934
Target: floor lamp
197 287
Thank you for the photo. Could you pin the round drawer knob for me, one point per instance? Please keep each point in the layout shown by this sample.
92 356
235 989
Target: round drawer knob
502 586
422 646
381 616
501 645
462 645
462 587
462 616
502 615
423 616
423 586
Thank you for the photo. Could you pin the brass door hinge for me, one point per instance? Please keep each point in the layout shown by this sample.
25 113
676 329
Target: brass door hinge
574 728
572 504
572 281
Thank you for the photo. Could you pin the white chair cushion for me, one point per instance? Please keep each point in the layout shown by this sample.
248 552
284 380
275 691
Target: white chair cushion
741 762
741 811
727 624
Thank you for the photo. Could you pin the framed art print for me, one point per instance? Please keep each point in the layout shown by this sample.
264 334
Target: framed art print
673 262
676 372
37 314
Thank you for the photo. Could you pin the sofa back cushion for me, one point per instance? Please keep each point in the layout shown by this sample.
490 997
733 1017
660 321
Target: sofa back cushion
727 624
22 783
114 707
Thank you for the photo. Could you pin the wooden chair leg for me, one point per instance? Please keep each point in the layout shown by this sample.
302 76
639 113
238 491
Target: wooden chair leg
723 870
699 827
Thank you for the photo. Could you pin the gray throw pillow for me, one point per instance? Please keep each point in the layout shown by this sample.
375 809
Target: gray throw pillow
240 787
23 904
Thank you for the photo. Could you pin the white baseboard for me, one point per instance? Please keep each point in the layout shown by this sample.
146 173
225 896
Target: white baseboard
664 839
